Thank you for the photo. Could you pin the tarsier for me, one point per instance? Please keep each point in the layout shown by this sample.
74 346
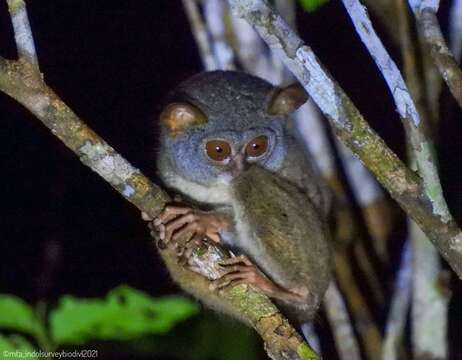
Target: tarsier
226 146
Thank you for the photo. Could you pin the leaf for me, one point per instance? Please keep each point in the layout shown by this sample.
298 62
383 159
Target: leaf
124 314
14 346
312 5
206 337
16 314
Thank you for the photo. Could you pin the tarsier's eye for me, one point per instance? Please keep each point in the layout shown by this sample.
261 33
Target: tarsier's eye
218 150
257 146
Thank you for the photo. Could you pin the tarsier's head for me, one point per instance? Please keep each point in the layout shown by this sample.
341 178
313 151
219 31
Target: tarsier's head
220 123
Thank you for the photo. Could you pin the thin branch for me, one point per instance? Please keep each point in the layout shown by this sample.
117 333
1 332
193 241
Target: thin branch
425 11
370 336
200 34
455 28
430 300
399 307
22 32
429 306
309 332
385 12
215 12
403 185
340 323
405 105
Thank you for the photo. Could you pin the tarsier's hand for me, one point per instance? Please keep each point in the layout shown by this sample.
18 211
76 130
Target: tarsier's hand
177 220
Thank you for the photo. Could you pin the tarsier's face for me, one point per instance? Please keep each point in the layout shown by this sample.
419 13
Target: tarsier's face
220 156
234 152
222 123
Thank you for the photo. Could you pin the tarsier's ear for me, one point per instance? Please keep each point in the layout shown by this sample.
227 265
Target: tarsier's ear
287 100
179 117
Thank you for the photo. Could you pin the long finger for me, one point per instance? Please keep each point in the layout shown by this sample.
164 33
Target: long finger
227 279
177 224
236 260
235 269
173 211
190 228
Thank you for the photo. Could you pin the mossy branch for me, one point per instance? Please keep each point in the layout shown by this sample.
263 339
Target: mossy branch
22 81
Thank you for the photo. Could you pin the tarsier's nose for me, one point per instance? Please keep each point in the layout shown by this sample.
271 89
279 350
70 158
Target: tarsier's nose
238 164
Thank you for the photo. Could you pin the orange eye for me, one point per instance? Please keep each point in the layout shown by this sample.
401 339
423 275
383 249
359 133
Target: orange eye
257 147
218 150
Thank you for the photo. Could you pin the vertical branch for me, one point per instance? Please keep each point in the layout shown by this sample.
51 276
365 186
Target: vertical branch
214 11
251 51
429 300
340 323
399 307
455 28
22 31
200 34
371 338
429 305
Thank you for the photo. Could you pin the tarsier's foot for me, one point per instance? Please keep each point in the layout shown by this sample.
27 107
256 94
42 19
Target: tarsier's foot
177 220
240 270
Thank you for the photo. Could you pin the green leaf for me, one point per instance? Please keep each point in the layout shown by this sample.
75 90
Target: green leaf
124 314
312 5
16 314
205 337
14 346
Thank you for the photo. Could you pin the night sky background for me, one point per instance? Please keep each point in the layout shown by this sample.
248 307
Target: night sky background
63 229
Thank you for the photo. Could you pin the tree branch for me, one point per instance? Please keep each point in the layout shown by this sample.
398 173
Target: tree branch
402 184
337 315
214 13
425 12
399 306
406 108
22 32
200 34
22 82
429 303
455 29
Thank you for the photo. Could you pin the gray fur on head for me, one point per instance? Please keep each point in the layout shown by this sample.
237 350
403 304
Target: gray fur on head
236 106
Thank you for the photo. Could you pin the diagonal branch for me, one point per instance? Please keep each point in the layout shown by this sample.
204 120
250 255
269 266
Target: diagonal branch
425 12
402 184
406 108
22 82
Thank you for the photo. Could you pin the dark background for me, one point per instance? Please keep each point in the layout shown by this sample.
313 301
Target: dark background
63 229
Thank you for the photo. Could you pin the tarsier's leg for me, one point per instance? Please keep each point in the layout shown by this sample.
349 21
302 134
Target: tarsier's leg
240 270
